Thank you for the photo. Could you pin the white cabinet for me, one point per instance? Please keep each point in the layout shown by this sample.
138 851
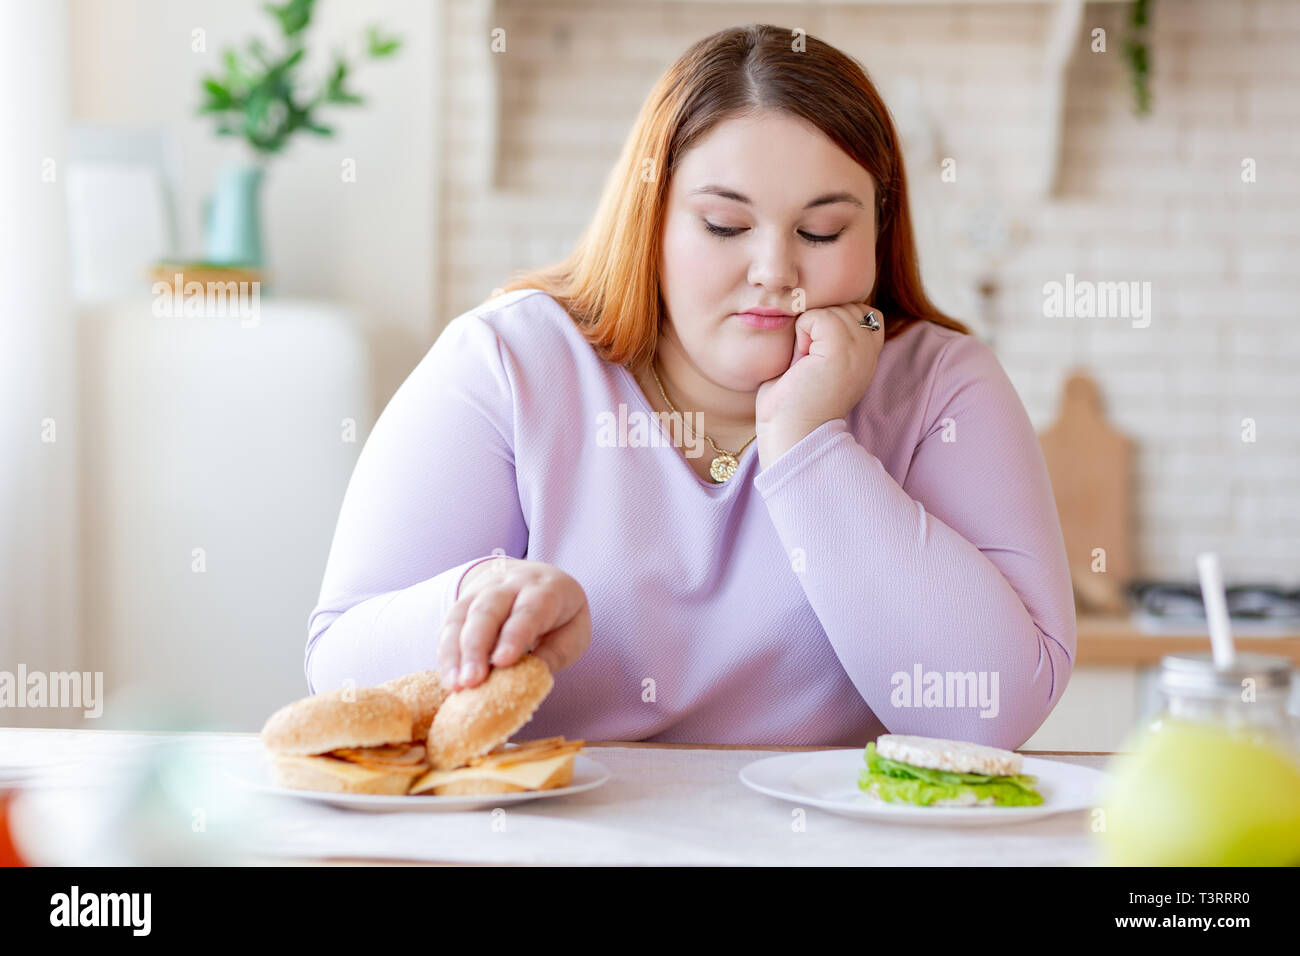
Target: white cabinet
215 455
1097 712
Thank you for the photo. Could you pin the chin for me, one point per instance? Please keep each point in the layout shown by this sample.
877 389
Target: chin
771 362
748 377
747 361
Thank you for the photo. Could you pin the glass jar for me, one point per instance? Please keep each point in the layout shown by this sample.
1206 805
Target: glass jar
1250 697
1214 780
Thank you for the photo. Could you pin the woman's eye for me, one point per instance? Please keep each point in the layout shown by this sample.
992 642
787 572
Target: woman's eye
722 231
726 232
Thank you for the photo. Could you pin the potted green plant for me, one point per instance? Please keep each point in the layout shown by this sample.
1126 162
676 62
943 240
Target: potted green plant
260 97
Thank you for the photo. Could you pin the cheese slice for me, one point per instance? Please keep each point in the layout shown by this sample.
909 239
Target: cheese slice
324 769
530 775
333 765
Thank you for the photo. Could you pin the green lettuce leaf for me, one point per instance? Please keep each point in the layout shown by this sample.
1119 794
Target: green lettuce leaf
901 782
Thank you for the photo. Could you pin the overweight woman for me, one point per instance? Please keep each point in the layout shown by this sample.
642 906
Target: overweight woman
725 469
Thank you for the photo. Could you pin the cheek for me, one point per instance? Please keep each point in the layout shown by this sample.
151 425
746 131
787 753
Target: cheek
696 260
844 276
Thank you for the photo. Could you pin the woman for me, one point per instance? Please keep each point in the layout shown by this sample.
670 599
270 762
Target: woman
717 527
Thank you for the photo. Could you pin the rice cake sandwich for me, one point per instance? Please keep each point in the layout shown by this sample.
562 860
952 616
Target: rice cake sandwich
933 772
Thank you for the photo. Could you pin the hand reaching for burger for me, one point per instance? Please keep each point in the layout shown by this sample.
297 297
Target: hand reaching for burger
506 607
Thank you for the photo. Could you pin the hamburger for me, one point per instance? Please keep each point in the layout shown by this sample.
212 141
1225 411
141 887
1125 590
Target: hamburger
467 748
930 771
411 735
351 740
423 693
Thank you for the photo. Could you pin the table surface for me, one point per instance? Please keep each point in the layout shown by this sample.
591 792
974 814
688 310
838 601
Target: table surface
664 804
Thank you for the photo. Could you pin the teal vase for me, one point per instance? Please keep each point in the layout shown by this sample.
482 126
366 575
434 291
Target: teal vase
232 225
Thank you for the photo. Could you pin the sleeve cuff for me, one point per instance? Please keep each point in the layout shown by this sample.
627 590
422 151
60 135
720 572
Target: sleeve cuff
460 578
808 449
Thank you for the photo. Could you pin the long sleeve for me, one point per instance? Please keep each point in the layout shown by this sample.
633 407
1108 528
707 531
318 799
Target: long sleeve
955 577
432 494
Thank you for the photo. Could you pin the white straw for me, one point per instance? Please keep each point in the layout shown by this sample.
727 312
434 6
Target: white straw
1216 609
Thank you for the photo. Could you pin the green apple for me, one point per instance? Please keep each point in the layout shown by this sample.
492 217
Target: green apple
1195 794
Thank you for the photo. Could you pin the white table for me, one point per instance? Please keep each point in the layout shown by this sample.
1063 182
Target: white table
664 805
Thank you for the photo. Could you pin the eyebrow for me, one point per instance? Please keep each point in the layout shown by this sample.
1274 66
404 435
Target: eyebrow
824 200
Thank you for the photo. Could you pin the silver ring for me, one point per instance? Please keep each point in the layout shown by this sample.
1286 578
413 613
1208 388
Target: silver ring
869 321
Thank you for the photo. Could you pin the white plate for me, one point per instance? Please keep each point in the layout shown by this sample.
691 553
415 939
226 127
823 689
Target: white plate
828 779
586 775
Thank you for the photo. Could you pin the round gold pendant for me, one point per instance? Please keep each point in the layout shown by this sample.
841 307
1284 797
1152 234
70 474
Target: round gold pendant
723 467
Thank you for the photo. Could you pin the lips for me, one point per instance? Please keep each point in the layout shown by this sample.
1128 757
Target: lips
765 320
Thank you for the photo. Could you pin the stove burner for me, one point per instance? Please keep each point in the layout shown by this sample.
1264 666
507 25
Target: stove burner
1246 602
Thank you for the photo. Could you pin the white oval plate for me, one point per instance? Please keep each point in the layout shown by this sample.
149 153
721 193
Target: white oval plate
587 774
828 779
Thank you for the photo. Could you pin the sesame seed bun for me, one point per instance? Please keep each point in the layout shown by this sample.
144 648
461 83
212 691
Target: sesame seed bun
348 717
423 693
474 720
955 756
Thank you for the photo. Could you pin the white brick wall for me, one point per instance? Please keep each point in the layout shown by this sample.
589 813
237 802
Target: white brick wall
1158 200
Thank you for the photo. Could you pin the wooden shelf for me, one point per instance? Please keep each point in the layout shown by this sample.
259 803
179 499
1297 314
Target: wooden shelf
1117 642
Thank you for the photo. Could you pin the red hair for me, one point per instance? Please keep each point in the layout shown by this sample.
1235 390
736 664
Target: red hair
610 282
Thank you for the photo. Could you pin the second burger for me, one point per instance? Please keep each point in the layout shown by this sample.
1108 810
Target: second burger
466 745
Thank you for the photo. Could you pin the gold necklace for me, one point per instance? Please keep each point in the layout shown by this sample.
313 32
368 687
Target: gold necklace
726 463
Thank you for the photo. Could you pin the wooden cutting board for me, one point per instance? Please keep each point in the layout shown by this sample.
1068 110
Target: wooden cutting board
1091 467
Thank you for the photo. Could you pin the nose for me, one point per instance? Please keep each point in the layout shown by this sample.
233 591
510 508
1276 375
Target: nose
774 266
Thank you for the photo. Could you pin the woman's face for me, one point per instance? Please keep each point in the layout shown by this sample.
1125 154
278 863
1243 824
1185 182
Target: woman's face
755 177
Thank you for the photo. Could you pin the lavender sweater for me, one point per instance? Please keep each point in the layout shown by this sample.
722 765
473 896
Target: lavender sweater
900 570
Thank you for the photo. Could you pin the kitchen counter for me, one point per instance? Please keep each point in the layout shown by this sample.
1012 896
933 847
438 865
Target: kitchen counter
1117 641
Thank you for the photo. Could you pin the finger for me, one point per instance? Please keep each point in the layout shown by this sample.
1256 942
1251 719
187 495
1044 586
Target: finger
802 342
851 316
803 335
865 308
487 612
449 643
828 330
535 611
563 646
566 634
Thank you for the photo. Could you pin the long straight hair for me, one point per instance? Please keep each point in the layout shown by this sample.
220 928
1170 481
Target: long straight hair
610 283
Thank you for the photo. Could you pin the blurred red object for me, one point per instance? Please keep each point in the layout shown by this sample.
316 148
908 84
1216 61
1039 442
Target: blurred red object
9 855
